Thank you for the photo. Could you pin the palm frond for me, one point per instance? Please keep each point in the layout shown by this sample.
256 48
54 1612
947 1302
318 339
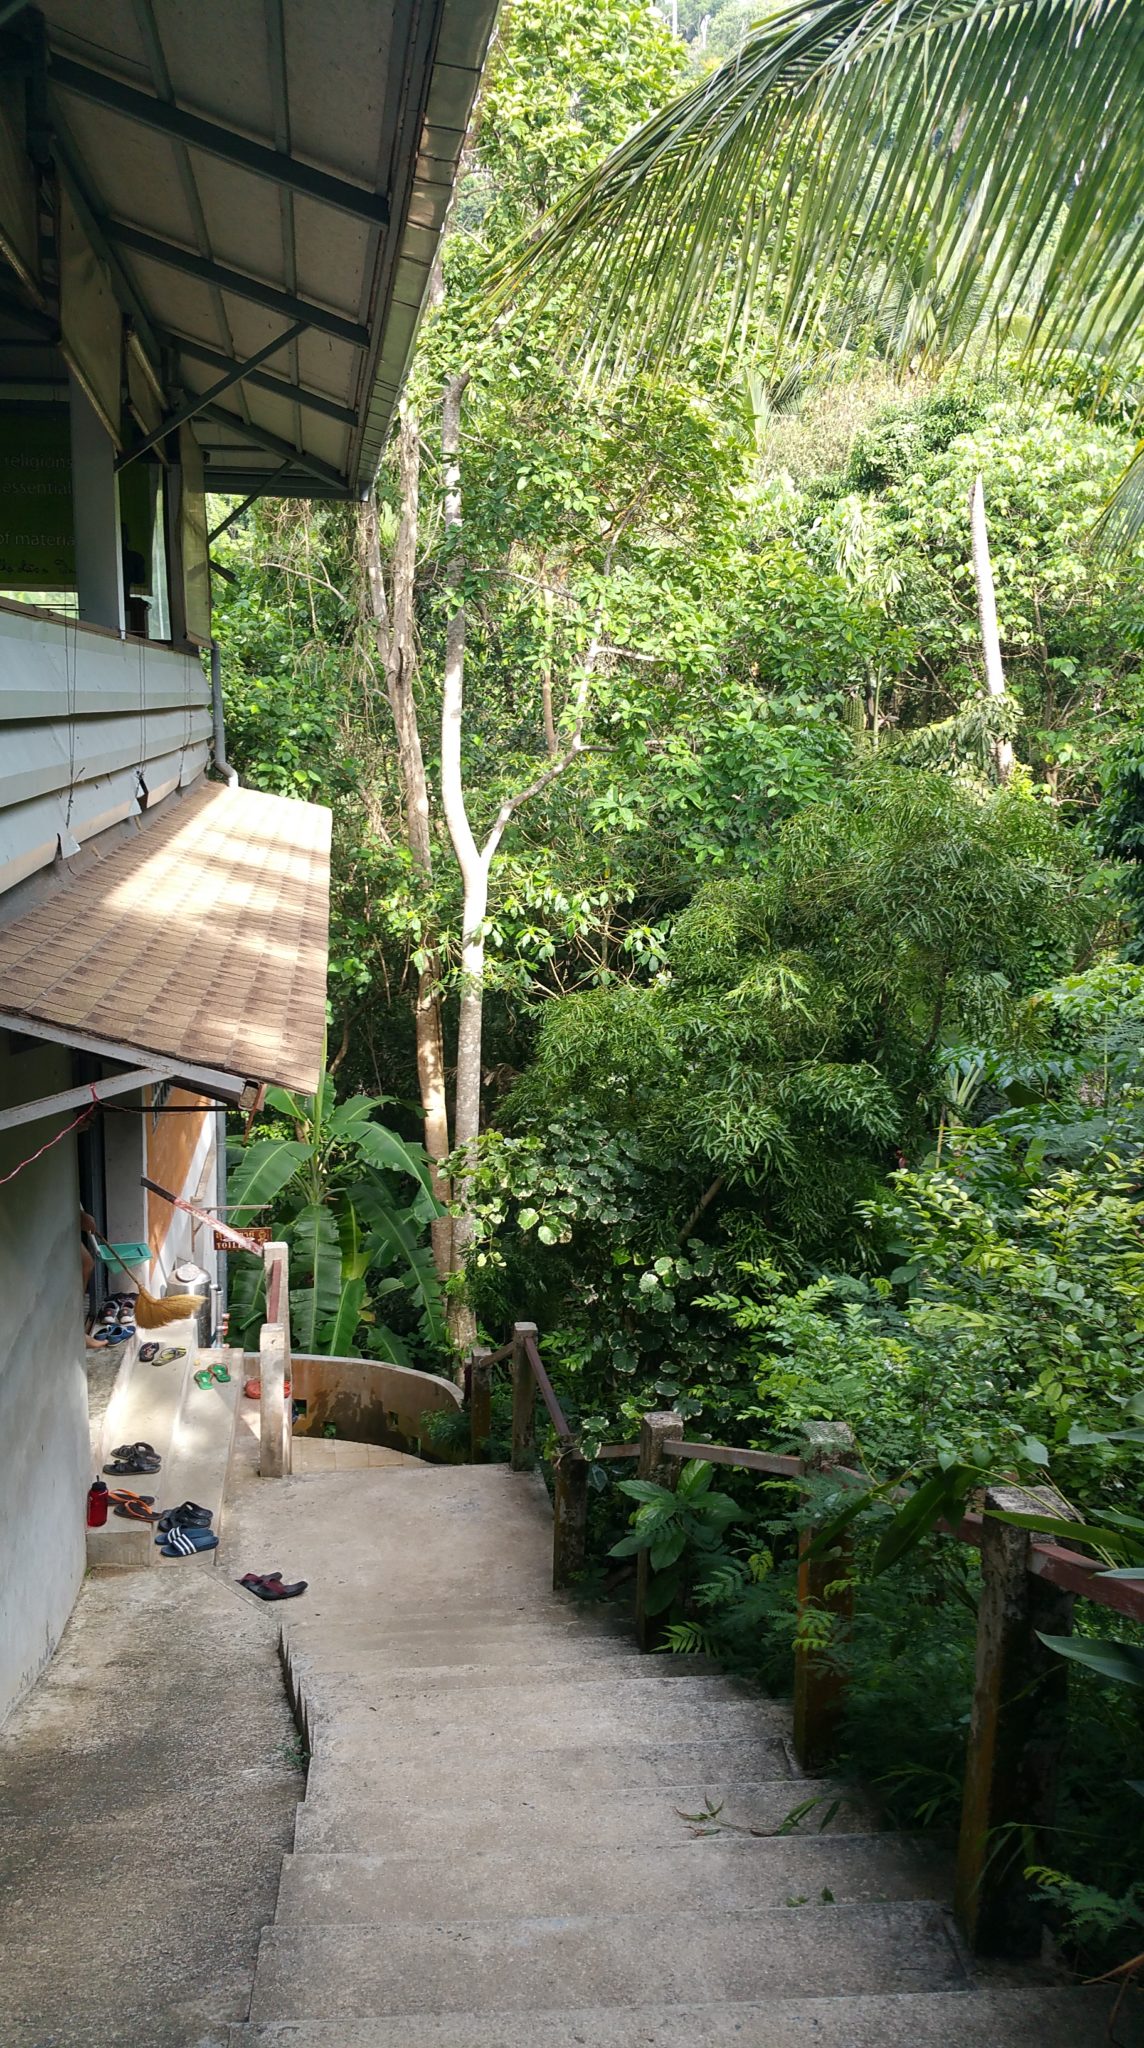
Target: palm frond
1122 521
973 155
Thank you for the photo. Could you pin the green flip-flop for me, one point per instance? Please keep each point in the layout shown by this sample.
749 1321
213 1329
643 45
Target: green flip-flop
204 1379
219 1373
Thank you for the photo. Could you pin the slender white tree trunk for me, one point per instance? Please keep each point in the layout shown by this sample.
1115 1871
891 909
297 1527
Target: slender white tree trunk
987 614
473 865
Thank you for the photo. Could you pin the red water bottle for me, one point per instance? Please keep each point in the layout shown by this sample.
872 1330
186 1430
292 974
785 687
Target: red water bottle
97 1504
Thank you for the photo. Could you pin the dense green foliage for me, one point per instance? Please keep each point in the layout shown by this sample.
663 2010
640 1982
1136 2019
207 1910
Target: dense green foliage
812 1069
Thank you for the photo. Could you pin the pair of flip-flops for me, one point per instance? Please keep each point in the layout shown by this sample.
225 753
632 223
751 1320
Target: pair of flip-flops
185 1540
269 1586
210 1374
161 1354
128 1458
132 1507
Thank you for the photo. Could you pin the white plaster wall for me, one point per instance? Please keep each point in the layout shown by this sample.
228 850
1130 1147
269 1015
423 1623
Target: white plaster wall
43 1382
187 1238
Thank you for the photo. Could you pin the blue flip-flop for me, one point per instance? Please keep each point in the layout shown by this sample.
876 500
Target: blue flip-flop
184 1542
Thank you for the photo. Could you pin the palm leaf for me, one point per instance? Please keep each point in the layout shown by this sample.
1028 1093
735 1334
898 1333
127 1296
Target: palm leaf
957 157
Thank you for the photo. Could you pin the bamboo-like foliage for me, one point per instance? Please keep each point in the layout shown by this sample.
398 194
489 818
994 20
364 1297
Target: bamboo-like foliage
935 162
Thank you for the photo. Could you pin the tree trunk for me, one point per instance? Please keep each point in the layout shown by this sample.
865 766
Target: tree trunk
987 614
396 644
550 742
472 864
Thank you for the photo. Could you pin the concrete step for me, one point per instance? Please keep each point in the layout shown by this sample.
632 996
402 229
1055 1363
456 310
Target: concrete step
630 1696
191 1428
726 1873
347 1812
442 1759
554 1718
475 1659
943 2019
538 1964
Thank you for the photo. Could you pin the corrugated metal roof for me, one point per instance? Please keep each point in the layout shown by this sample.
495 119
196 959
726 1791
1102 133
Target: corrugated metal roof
201 939
238 159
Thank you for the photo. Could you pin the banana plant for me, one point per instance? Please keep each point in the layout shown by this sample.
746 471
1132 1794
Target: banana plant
353 1201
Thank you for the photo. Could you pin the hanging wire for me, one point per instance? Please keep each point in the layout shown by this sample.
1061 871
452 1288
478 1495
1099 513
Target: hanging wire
84 1117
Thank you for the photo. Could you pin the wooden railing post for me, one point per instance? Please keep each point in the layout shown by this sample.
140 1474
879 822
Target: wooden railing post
480 1403
1016 1733
275 1432
523 1400
569 1516
824 1586
655 1429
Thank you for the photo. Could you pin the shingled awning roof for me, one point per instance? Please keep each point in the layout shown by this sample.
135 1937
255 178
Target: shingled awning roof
200 940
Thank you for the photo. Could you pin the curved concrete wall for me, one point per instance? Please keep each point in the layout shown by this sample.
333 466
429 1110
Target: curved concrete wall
370 1402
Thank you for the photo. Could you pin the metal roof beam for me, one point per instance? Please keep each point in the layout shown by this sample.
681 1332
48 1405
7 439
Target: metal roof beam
245 506
208 136
236 281
274 444
80 1098
296 394
202 399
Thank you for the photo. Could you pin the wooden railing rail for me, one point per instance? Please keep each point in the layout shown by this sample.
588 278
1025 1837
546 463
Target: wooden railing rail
1029 1586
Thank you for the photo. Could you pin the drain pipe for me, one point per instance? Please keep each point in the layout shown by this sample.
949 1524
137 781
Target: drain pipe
220 760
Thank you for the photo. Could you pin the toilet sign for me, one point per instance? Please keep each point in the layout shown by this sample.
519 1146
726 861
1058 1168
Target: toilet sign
258 1233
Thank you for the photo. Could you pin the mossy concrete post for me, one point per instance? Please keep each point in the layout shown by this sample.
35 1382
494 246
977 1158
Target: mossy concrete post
824 1587
1016 1733
523 1400
275 1435
569 1516
654 1464
480 1403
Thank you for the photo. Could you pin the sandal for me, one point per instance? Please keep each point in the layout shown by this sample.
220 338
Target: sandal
220 1373
185 1542
189 1516
125 1468
203 1379
132 1509
270 1587
113 1333
161 1354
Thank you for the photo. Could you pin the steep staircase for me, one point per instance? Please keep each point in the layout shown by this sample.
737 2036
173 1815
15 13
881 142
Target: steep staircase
494 1849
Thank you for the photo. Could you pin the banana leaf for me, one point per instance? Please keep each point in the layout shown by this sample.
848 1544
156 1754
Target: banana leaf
263 1170
337 1338
385 1150
317 1253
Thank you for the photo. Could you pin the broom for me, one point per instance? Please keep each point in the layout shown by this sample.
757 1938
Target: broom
151 1311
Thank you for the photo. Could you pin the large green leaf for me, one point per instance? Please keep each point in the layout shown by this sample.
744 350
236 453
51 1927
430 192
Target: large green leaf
338 1336
263 1170
385 1344
315 1255
1123 1662
393 1232
385 1150
348 1118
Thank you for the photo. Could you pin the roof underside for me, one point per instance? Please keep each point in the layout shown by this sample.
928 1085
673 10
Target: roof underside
201 939
265 168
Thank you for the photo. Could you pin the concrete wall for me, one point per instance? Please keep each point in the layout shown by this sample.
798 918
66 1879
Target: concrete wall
369 1402
43 1382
